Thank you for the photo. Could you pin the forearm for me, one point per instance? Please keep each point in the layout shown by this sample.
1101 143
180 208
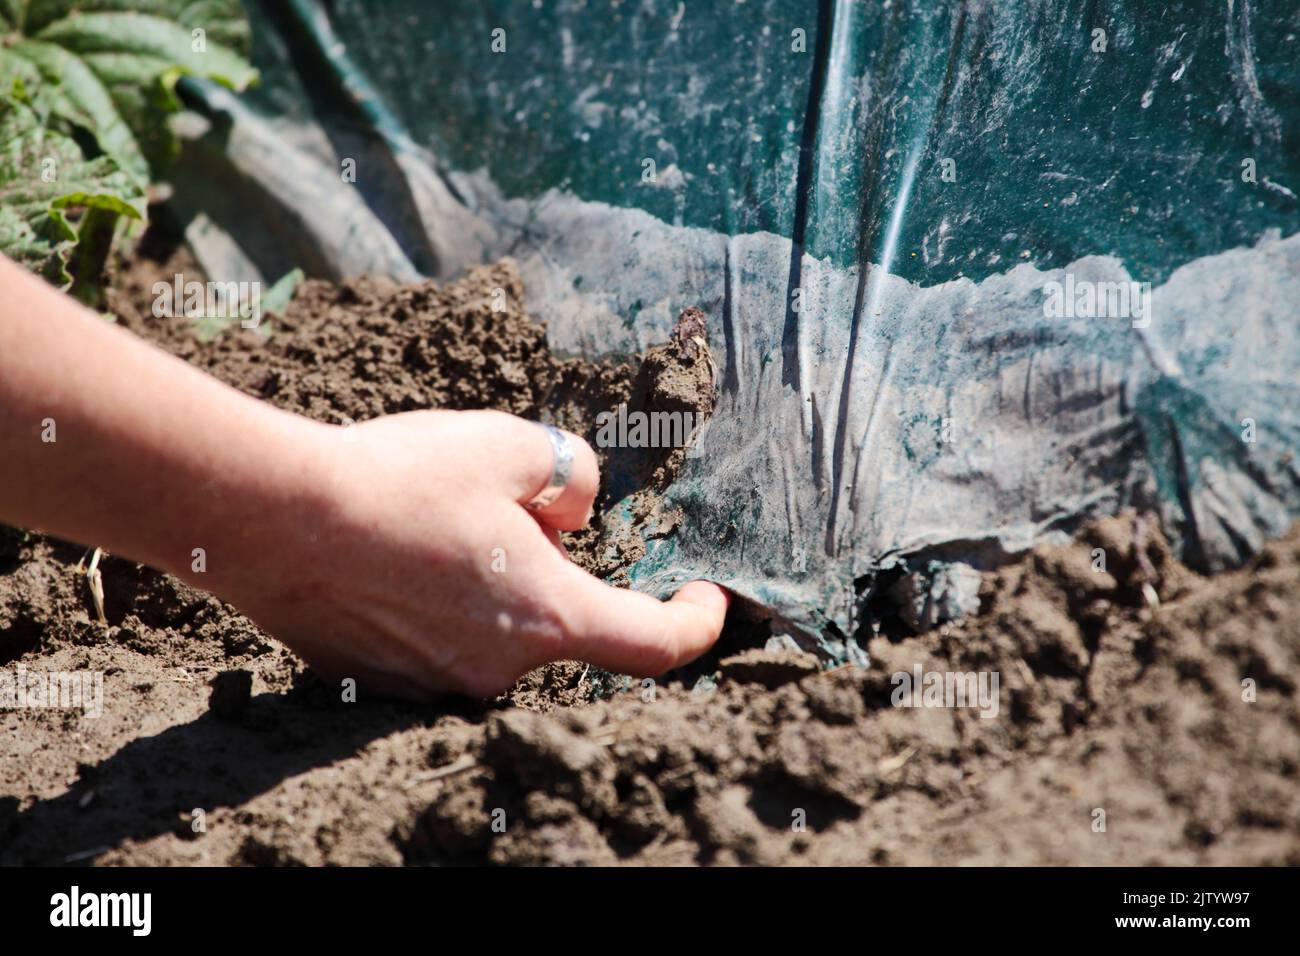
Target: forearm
107 441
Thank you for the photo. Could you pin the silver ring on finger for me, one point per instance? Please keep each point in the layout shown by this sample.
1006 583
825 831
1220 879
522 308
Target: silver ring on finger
561 469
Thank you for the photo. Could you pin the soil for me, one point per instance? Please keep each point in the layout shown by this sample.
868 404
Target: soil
1145 715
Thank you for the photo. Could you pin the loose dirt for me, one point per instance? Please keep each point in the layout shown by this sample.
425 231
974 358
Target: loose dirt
1145 715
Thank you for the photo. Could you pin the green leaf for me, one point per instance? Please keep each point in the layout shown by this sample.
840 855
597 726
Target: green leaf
45 181
40 254
66 86
153 39
223 19
278 297
109 66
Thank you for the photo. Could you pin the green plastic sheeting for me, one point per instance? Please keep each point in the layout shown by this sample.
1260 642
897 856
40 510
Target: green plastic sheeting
875 203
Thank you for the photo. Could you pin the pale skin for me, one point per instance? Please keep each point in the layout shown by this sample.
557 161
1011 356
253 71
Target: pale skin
397 552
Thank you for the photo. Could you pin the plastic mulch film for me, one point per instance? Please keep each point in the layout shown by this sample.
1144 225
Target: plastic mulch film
975 272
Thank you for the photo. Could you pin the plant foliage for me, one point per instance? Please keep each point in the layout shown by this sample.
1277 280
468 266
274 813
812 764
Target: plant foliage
86 88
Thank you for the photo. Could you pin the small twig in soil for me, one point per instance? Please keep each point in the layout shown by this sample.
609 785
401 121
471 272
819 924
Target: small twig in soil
890 764
96 579
456 766
609 734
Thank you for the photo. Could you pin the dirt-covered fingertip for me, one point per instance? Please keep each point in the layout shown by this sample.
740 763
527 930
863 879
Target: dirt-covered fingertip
707 596
633 633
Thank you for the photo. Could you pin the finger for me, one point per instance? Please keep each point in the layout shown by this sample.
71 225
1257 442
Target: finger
632 633
553 536
524 458
571 508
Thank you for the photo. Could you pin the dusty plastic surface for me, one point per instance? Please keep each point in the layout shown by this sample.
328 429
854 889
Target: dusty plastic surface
872 202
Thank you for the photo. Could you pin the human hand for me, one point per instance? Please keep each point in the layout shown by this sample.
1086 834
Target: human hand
420 570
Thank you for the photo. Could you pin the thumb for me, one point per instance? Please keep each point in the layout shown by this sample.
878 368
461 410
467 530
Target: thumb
633 633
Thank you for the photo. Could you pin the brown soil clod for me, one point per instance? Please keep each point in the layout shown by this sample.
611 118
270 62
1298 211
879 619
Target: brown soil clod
770 669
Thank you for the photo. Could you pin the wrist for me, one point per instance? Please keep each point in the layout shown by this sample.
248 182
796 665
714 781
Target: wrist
260 511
